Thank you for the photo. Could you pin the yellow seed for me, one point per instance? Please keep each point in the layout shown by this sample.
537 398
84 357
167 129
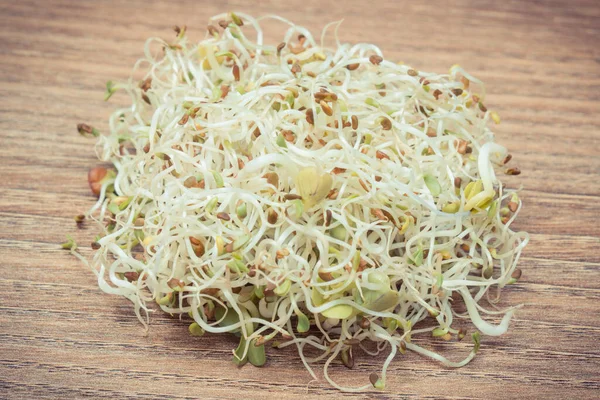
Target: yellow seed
495 117
452 207
220 243
147 240
312 186
163 301
473 188
195 329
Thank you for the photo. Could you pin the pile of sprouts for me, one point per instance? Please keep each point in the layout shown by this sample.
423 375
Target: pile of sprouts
299 194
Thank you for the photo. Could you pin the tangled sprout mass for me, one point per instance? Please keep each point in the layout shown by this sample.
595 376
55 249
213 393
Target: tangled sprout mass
303 195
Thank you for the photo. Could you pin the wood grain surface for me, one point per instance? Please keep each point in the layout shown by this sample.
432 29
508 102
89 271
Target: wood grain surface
61 337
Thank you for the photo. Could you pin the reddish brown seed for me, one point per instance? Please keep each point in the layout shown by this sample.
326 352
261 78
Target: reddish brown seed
354 122
175 283
184 119
212 30
224 91
236 72
513 206
377 213
412 72
95 245
198 249
373 378
504 220
324 95
309 116
431 132
482 107
272 178
210 291
320 96
386 124
364 185
457 182
240 163
179 30
375 59
475 98
352 67
338 170
507 159
347 358
131 276
224 216
381 155
513 171
461 147
326 276
291 196
296 68
327 217
190 182
365 323
288 135
457 92
272 217
146 84
517 273
280 47
325 107
95 177
437 93
333 193
465 82
223 24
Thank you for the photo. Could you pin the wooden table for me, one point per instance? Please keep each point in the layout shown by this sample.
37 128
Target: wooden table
61 337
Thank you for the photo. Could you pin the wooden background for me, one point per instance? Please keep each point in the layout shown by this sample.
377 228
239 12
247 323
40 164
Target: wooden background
61 337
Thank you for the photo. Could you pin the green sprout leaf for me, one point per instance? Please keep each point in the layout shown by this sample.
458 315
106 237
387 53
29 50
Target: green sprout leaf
256 354
303 322
238 355
111 88
432 184
341 311
283 288
195 329
477 340
69 244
